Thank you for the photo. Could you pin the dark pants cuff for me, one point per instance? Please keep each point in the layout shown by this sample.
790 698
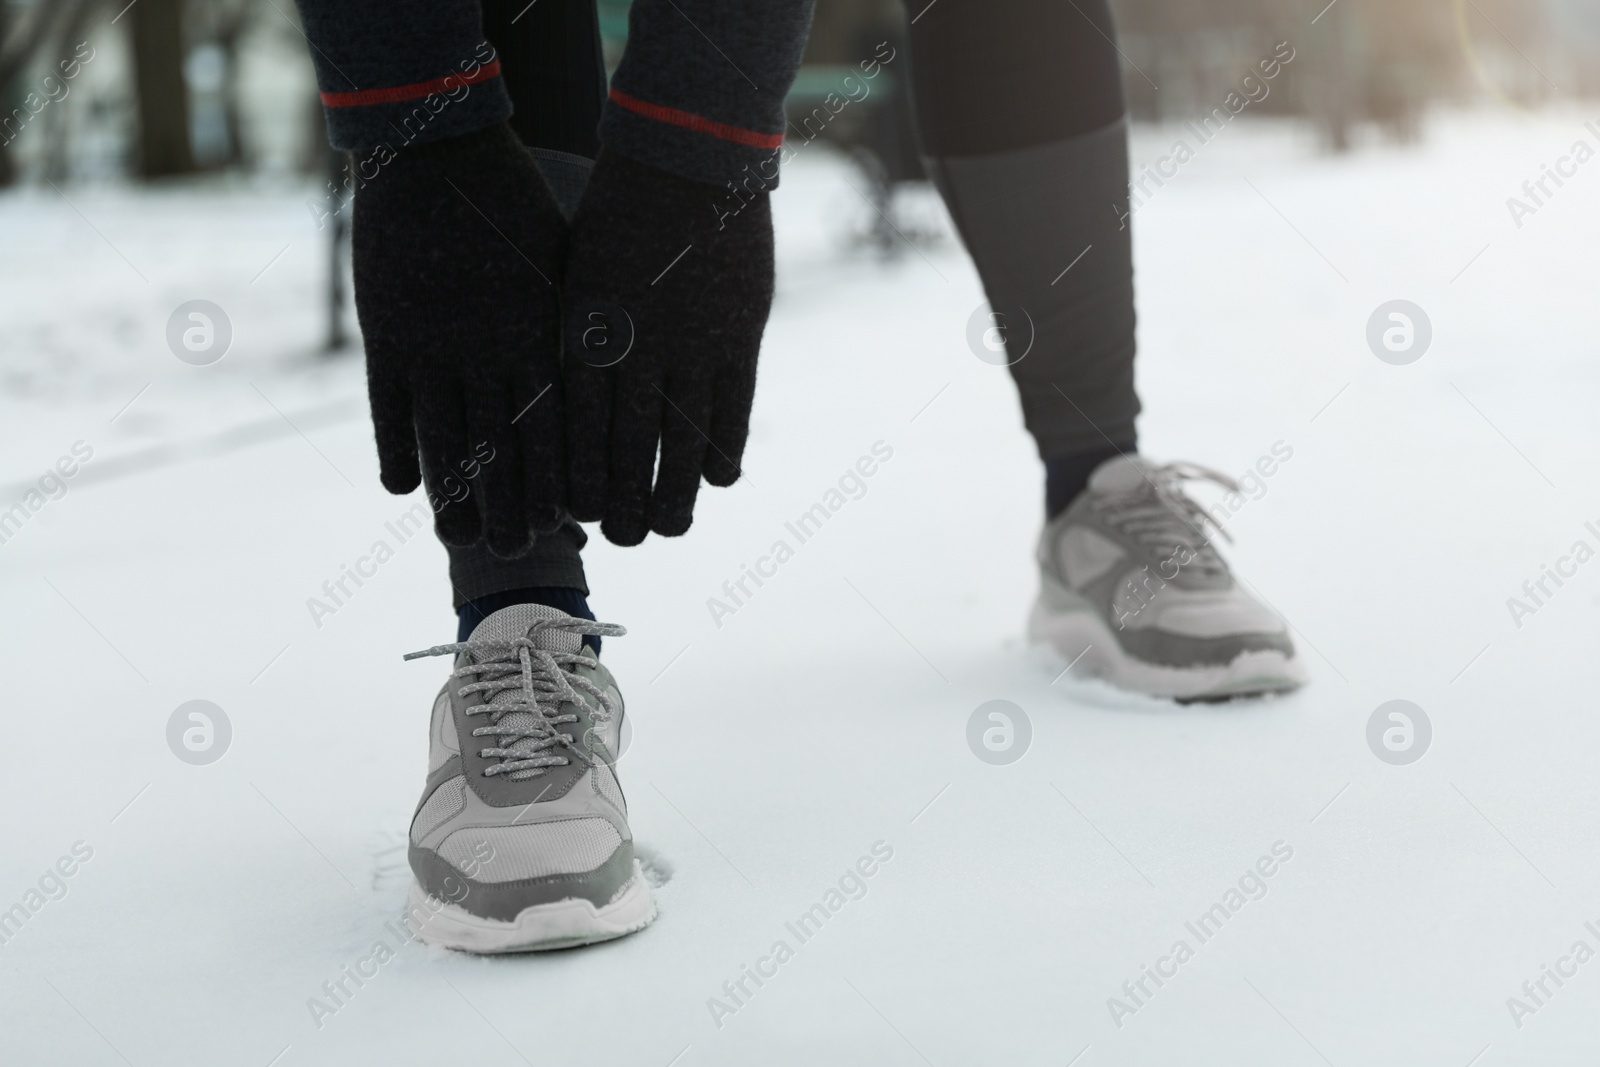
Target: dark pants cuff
554 560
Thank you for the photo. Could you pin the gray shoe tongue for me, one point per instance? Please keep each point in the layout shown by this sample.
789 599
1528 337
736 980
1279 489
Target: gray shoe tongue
1120 474
508 624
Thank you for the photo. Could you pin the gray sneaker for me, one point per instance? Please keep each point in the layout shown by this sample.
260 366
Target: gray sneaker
521 839
1131 585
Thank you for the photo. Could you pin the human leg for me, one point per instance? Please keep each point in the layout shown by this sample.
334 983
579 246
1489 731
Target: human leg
1020 111
1023 127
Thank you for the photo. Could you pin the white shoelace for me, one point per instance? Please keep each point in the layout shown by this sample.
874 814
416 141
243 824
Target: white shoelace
524 689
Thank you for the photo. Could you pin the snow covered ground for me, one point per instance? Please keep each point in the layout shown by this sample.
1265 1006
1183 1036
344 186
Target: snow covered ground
828 716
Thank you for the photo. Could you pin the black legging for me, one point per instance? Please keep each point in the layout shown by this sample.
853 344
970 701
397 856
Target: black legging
1022 122
999 75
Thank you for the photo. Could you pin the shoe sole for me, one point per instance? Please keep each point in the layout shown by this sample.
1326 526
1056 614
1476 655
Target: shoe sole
539 927
1084 638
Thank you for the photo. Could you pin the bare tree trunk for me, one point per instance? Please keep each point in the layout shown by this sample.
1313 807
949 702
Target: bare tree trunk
163 99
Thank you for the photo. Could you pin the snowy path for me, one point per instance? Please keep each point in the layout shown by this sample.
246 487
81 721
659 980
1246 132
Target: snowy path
829 712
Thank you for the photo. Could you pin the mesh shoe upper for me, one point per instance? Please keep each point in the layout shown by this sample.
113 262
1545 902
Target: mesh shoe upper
522 804
1135 549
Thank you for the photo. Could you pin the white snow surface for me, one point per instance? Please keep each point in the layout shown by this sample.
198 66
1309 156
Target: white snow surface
830 711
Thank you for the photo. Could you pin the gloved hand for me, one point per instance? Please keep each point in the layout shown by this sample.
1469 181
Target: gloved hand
457 248
667 291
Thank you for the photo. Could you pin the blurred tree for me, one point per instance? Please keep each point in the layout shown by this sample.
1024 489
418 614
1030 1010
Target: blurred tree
218 27
162 98
58 121
1331 60
25 39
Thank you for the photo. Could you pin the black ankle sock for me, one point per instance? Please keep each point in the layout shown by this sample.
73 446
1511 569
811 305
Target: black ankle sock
562 598
1066 476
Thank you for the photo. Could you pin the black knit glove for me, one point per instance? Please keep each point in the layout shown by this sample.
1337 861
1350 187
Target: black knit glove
457 248
667 291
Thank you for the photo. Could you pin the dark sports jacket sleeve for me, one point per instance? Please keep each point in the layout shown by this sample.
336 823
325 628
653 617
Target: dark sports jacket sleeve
701 85
398 72
699 91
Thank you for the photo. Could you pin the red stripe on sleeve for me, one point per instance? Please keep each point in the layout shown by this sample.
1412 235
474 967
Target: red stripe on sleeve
699 123
401 93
